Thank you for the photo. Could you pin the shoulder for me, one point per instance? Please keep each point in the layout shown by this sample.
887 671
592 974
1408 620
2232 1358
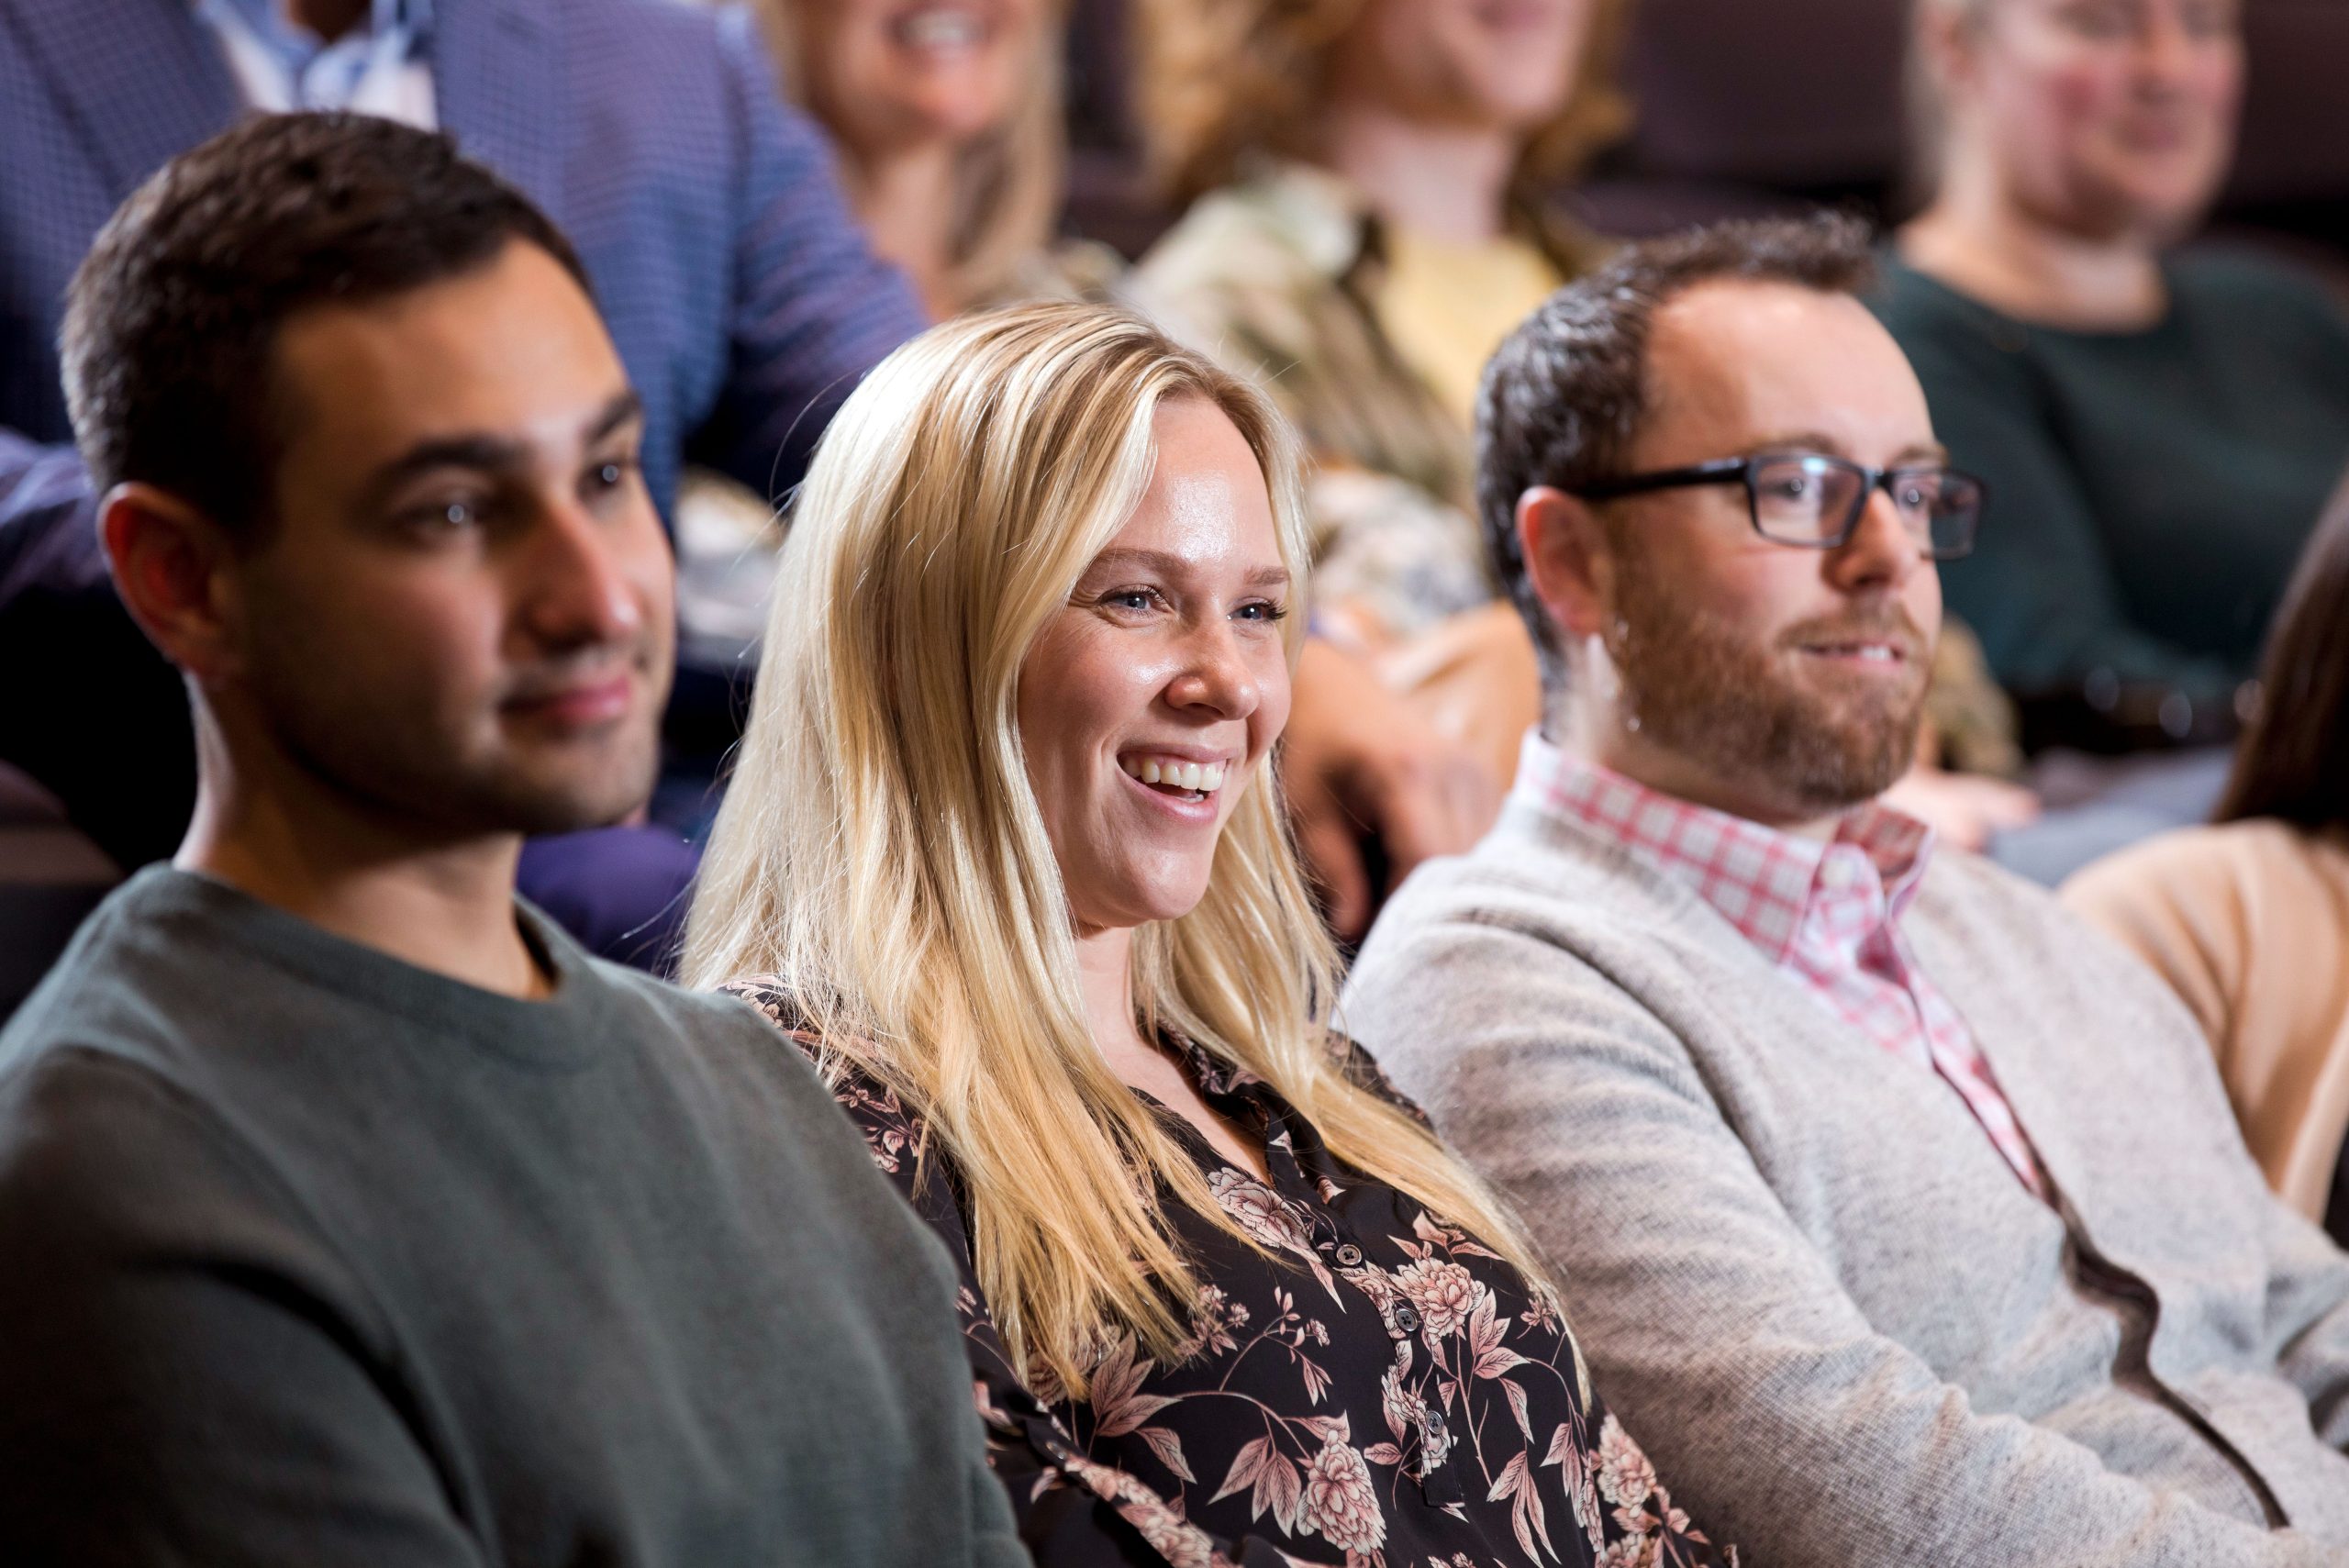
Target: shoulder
103 1156
2258 871
2240 282
1542 939
895 1135
1287 230
1952 340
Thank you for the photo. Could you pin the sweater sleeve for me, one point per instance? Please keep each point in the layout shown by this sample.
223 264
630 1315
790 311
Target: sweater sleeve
187 1372
1717 1330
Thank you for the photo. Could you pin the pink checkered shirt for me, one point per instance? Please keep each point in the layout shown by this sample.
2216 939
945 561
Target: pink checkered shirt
1825 912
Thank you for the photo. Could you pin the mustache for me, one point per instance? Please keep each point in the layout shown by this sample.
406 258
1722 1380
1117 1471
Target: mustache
581 667
1891 624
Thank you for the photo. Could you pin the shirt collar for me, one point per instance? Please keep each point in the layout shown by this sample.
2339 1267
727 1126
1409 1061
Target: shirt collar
295 46
1769 884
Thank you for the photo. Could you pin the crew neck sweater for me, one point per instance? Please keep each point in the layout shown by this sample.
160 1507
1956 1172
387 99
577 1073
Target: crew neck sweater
311 1256
2149 491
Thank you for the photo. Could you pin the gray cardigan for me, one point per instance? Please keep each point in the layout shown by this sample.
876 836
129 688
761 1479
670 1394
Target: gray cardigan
1804 1276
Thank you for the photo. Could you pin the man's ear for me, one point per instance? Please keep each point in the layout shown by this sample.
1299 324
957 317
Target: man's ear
170 564
1568 560
1948 38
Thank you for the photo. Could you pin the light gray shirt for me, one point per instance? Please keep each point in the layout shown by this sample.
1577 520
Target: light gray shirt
1844 1330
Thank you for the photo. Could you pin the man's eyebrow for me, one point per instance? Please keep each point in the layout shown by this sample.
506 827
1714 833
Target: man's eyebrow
492 454
625 407
1799 441
484 452
1828 446
1168 565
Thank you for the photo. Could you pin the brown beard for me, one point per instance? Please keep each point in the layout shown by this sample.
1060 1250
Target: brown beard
1720 697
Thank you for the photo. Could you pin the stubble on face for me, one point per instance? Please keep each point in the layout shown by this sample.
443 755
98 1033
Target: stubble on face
1738 705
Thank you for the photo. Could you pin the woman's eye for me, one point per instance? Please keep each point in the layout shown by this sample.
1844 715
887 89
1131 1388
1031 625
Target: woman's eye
1262 611
1130 599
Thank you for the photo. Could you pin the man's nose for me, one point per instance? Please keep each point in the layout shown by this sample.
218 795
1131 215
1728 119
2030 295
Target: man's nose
578 588
1883 551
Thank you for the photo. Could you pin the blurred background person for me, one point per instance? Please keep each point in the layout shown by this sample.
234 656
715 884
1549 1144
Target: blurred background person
1002 853
2159 428
949 119
2248 920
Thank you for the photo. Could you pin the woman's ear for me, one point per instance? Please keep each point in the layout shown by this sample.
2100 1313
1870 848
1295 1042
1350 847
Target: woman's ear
171 566
1568 560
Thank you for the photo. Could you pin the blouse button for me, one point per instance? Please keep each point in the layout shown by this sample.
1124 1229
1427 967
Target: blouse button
1434 1425
1406 1317
1349 1256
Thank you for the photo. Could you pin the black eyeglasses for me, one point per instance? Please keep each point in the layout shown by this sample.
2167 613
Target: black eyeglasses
1816 503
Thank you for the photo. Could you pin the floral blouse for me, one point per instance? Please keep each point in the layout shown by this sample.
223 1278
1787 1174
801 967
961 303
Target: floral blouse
1388 1392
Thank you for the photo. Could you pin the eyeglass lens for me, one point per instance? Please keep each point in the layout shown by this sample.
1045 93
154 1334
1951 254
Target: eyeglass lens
1817 500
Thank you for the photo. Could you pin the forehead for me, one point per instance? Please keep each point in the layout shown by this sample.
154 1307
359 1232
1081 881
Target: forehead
514 349
1207 503
1731 363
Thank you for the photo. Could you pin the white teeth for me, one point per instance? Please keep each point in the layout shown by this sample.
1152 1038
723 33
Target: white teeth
1203 777
941 28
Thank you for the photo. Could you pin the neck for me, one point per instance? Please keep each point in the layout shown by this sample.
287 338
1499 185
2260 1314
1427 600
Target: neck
444 905
1983 242
1595 730
328 19
1448 183
906 201
1104 971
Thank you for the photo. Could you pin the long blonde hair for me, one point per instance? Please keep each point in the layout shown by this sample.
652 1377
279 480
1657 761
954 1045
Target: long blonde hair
1225 79
881 855
1008 185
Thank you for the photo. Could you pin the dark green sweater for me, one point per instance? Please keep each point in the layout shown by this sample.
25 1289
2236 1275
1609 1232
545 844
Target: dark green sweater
2150 491
311 1257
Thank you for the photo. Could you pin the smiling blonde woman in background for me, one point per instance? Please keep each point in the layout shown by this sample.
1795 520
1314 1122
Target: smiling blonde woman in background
1003 853
948 118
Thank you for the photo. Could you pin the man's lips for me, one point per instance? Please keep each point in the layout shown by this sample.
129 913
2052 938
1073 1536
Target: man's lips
580 703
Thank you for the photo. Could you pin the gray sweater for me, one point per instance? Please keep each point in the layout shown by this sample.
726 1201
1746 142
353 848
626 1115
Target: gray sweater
1805 1278
308 1257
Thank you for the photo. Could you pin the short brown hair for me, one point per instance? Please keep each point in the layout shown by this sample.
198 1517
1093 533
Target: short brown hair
2292 762
1223 79
1565 397
172 321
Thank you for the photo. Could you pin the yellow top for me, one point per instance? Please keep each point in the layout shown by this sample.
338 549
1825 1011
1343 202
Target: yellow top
1447 307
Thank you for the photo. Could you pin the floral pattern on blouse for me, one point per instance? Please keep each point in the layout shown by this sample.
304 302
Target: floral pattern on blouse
1381 1391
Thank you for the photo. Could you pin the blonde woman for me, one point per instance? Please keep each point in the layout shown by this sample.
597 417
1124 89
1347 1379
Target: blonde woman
1371 189
948 118
1004 855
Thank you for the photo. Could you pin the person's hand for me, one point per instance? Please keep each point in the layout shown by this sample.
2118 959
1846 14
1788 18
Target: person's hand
1474 678
1966 809
1357 759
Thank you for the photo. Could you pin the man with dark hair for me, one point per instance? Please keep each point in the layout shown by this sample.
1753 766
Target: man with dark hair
740 292
1903 1219
349 1212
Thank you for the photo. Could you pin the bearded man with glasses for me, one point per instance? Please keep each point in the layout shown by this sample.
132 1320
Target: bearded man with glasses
1904 1218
